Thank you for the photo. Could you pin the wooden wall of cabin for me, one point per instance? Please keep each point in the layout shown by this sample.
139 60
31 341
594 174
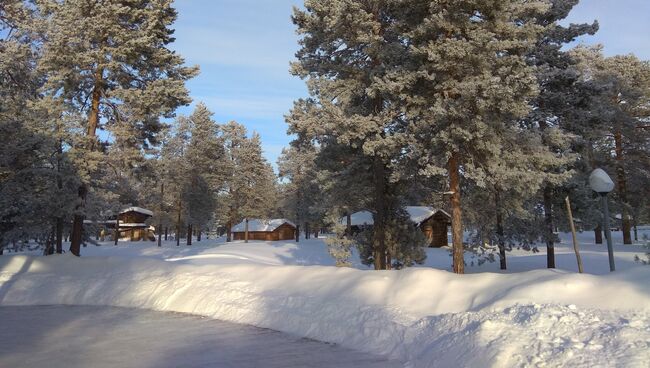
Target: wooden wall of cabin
284 232
133 218
435 229
255 235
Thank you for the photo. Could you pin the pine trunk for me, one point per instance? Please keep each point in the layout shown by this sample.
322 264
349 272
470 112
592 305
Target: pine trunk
456 214
59 235
228 233
78 222
178 224
598 234
622 188
93 121
160 228
379 226
198 235
246 231
348 224
307 234
297 233
548 224
189 234
49 243
59 185
116 233
500 234
166 232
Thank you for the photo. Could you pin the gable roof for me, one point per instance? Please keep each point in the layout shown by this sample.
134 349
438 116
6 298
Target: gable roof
141 210
261 225
418 215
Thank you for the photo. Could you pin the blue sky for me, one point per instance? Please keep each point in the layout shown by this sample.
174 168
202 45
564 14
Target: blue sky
244 48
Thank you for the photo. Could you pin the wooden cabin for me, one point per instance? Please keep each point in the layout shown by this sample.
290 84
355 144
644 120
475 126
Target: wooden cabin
267 230
132 224
434 223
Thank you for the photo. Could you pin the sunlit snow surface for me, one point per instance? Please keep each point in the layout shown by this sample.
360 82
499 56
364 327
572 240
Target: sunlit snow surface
425 316
92 336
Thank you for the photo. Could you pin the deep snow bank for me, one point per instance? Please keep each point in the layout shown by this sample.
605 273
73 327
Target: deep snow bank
423 316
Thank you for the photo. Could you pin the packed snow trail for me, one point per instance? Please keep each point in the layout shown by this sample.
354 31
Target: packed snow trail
78 336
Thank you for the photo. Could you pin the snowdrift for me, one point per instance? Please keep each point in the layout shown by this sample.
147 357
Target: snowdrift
424 317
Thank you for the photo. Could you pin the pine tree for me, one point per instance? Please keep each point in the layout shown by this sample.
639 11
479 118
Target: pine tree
557 78
251 187
543 155
465 88
301 193
612 122
100 55
346 48
205 159
174 171
35 173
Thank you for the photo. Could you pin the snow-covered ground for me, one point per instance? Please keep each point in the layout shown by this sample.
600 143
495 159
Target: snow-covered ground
97 337
424 316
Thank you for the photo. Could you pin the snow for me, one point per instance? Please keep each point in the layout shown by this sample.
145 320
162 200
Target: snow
600 182
51 336
424 316
261 225
128 224
417 214
143 211
99 222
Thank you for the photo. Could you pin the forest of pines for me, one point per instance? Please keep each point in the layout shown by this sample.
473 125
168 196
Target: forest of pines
480 108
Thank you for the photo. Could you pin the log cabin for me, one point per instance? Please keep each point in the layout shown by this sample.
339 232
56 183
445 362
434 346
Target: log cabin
434 223
267 230
132 224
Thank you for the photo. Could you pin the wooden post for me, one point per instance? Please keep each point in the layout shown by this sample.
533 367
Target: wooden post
573 233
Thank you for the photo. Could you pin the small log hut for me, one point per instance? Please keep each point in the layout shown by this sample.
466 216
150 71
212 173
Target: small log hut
266 230
434 223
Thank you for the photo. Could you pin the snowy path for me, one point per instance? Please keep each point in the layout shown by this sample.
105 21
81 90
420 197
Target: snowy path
76 336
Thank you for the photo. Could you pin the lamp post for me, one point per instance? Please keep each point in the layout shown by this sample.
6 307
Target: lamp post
602 184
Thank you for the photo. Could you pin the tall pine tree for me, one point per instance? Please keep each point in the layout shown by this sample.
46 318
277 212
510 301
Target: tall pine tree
100 55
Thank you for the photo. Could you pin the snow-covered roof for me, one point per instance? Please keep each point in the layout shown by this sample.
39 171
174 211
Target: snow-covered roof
133 225
101 222
418 214
143 211
261 225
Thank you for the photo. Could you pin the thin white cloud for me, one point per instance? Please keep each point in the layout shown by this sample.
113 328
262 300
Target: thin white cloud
202 45
248 107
